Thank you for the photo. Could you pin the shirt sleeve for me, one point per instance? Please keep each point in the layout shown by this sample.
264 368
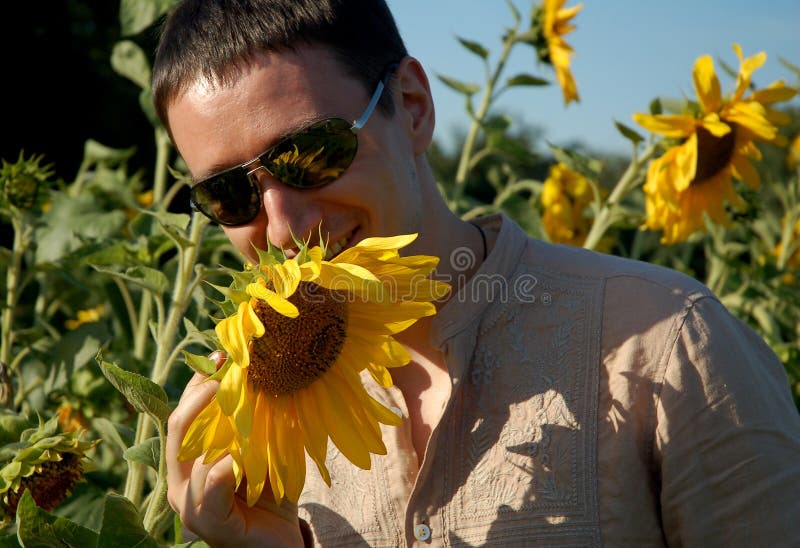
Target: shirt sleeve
727 437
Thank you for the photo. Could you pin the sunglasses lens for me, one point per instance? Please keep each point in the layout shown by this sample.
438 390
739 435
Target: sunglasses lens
315 156
229 198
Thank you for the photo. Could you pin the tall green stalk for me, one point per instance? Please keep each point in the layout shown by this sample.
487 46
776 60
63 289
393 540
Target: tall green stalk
22 234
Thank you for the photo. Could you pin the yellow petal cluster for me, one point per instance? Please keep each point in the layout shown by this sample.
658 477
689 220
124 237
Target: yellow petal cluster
269 434
565 197
709 148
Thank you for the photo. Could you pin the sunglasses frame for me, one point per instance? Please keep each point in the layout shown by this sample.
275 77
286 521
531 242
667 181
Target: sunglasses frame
258 162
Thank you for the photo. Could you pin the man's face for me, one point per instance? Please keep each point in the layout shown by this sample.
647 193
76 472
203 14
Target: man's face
216 127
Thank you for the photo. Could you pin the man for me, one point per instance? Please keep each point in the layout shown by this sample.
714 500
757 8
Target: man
559 397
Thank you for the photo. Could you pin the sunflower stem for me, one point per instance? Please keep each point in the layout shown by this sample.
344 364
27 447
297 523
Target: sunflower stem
629 180
467 150
13 276
158 510
165 343
163 147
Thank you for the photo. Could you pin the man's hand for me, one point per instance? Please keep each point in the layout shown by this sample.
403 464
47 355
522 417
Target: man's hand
204 495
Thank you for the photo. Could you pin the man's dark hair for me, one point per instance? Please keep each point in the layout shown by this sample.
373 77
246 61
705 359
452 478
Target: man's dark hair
215 38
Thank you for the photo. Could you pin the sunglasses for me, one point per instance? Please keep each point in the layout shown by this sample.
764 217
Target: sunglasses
310 158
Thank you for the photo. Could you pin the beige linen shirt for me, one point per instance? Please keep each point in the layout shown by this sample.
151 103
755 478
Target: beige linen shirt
594 401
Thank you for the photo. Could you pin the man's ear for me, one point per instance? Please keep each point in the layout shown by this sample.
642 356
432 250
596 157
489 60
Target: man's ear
415 103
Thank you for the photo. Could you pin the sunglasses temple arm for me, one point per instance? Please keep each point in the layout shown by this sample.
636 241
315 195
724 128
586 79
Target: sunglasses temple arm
376 96
358 124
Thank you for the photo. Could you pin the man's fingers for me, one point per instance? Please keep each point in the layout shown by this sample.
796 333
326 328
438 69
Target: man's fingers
212 487
198 393
219 357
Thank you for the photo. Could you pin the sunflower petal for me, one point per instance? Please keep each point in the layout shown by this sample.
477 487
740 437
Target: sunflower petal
706 84
255 464
665 124
230 390
315 437
340 425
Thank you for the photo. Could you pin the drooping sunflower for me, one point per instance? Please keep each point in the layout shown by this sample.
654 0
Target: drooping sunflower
710 147
565 197
303 330
48 462
552 22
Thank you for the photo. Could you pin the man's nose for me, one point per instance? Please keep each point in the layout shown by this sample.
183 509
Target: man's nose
291 213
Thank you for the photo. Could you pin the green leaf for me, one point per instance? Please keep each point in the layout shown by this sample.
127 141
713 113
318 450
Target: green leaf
192 544
474 47
11 426
498 123
629 133
146 452
122 525
174 225
794 68
461 87
143 394
526 80
143 276
102 254
128 59
34 525
72 352
514 12
201 364
136 15
148 107
655 107
73 534
577 162
108 431
9 541
95 152
70 221
37 528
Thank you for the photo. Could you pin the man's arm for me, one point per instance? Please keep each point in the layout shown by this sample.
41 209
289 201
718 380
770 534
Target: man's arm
727 437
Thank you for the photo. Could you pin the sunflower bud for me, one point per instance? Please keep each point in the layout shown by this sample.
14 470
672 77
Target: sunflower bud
19 182
44 461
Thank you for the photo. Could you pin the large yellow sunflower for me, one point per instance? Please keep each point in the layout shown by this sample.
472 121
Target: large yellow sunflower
712 146
302 331
556 25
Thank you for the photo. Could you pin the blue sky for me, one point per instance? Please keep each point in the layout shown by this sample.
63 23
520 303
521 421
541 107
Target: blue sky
627 53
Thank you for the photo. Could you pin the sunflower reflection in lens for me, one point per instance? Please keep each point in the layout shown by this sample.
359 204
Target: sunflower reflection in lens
298 334
304 169
315 156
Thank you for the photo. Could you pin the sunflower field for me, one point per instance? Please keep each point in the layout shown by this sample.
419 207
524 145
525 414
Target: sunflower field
111 288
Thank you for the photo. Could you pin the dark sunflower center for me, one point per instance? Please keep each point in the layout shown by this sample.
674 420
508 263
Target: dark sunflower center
294 352
713 153
49 486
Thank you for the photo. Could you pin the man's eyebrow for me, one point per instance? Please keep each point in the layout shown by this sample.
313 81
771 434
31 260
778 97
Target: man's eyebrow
302 124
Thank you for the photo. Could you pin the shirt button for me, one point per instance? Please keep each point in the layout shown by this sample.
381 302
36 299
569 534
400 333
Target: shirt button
422 532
